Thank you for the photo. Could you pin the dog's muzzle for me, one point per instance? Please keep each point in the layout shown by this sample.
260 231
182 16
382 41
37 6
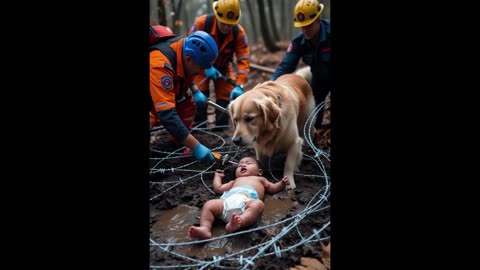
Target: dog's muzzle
238 141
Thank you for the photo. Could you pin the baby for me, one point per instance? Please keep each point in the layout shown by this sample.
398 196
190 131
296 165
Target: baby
242 201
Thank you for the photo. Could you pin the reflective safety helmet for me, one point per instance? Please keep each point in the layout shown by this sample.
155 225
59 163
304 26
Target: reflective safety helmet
306 12
201 47
227 11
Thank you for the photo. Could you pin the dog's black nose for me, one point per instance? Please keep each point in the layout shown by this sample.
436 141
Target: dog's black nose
237 140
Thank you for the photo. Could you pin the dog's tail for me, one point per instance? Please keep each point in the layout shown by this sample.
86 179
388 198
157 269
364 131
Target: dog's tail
306 73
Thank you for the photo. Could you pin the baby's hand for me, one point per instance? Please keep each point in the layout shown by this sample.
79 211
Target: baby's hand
220 173
285 180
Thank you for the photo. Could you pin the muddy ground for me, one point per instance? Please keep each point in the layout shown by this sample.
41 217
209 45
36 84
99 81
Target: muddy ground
294 225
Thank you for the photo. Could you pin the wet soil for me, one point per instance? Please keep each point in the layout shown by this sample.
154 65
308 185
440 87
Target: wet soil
294 225
180 185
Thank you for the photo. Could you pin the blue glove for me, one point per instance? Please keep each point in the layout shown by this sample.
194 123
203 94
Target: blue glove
237 91
212 73
202 153
200 99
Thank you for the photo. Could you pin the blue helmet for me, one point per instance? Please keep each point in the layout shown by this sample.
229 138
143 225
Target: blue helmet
201 47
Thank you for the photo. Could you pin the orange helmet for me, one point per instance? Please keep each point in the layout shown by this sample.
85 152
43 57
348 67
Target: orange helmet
227 11
306 11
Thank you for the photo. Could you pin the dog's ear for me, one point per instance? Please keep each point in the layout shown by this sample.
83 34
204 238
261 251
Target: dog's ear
270 113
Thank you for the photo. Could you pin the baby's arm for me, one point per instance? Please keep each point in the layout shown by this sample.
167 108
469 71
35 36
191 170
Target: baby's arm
273 188
218 187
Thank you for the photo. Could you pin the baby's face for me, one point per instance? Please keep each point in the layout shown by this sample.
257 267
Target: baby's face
246 167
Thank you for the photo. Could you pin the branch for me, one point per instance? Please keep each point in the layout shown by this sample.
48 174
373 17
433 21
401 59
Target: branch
271 70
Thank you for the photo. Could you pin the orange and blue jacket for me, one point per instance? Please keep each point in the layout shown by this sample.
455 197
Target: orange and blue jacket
168 88
226 50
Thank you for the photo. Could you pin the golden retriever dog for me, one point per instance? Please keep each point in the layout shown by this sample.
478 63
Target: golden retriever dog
270 117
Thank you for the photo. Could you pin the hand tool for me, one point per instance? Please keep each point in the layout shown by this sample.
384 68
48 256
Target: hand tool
223 158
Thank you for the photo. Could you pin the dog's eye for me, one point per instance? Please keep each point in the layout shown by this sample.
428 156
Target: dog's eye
248 119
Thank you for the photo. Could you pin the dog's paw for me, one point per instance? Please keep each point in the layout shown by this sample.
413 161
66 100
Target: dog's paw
291 185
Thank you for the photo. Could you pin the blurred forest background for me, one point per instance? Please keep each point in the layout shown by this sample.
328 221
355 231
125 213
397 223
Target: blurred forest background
265 21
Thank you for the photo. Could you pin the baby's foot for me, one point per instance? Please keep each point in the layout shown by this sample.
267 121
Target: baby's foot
199 232
234 224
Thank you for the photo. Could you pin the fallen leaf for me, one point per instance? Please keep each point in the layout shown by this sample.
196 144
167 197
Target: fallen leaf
326 254
298 267
309 264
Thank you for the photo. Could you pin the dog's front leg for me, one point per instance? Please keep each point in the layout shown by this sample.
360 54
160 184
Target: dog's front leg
260 156
294 158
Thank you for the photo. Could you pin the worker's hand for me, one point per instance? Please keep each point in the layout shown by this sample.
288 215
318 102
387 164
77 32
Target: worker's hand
237 91
202 153
212 73
200 99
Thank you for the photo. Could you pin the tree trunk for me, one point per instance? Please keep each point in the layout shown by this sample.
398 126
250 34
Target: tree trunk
273 25
162 16
251 21
267 39
176 16
289 14
285 11
186 21
209 6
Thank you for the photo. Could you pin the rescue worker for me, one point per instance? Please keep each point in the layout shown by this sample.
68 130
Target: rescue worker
312 44
231 40
174 106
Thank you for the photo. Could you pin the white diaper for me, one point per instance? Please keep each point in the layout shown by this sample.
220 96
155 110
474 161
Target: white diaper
235 200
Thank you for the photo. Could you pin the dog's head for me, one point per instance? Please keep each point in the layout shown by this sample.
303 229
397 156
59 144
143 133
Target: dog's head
255 115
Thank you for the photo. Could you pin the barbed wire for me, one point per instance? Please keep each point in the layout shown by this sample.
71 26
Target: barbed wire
289 225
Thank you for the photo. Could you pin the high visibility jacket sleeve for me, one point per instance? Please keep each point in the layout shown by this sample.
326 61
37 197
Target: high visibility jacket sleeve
291 58
172 123
198 24
162 92
242 54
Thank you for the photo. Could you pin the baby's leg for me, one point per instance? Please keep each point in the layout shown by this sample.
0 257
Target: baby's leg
253 211
210 210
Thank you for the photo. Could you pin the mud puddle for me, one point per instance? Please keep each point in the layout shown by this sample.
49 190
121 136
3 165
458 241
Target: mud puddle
171 226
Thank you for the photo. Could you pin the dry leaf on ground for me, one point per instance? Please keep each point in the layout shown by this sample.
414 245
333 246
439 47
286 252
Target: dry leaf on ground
309 264
326 255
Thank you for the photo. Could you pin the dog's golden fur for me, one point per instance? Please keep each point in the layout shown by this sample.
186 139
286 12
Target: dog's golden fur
271 116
